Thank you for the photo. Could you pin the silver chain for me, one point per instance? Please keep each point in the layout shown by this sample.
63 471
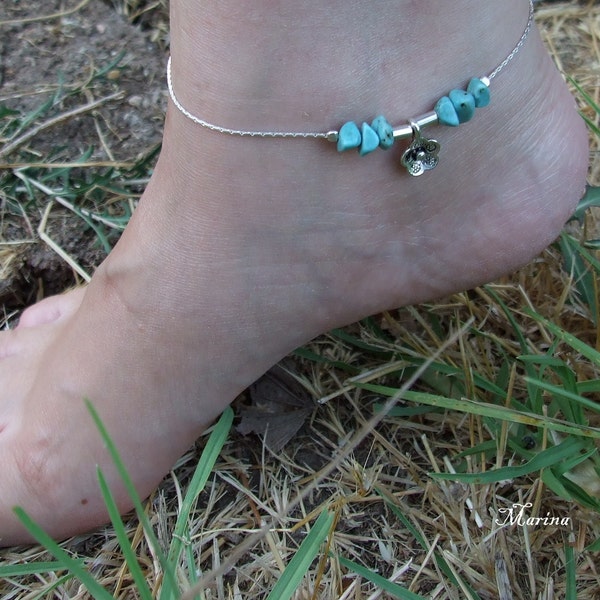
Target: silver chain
519 45
319 135
237 132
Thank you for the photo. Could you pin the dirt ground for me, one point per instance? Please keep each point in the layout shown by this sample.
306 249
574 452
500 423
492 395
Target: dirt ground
36 56
54 56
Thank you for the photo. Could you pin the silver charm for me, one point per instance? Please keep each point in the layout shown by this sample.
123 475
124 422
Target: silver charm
422 154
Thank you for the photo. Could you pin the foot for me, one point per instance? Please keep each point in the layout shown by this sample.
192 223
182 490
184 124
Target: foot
243 249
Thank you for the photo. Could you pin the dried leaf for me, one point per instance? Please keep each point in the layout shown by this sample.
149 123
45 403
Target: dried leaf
280 405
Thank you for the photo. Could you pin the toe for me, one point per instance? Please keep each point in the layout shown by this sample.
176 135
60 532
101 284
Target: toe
51 309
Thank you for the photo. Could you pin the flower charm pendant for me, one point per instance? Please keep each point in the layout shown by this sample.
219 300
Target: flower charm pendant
422 154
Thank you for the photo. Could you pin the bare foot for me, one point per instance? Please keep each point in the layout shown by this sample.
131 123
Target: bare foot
243 249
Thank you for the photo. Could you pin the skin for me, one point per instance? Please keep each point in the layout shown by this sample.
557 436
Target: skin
243 249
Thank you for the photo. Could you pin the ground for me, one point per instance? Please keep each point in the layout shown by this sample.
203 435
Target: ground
57 57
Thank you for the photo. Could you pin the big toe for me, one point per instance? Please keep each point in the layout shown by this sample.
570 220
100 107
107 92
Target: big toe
52 308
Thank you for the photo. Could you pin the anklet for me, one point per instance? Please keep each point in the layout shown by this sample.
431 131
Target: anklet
422 154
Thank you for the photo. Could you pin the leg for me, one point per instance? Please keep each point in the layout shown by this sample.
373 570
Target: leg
246 244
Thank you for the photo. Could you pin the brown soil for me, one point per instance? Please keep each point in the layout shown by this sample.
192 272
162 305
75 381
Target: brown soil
57 56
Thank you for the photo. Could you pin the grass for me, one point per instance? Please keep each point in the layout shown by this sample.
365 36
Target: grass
393 490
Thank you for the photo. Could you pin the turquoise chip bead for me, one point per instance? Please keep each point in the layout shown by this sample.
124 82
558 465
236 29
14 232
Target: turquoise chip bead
348 137
384 131
480 92
446 112
464 104
370 140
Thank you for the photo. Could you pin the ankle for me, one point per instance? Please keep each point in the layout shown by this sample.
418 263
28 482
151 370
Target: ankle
290 67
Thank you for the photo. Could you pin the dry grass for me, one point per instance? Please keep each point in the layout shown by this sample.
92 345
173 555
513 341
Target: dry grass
250 485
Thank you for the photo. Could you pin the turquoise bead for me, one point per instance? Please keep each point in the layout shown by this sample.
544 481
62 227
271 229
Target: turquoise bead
480 92
370 140
464 104
384 131
348 137
446 112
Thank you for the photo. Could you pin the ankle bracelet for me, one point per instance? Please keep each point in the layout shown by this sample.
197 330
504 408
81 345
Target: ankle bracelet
422 154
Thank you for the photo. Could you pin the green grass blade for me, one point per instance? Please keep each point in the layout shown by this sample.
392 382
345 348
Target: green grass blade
203 470
486 410
552 482
113 64
592 244
591 259
129 554
290 579
52 193
589 100
403 519
583 278
490 447
594 546
557 390
170 588
574 491
443 371
591 386
571 573
523 343
589 200
535 401
543 460
192 573
46 592
356 342
32 569
591 103
405 411
590 353
439 559
388 586
571 463
70 564
308 354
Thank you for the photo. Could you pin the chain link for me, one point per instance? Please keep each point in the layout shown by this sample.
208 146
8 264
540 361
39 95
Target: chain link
238 132
518 46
